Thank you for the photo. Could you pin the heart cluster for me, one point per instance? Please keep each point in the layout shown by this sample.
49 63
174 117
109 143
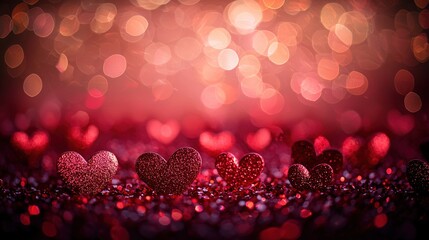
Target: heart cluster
322 167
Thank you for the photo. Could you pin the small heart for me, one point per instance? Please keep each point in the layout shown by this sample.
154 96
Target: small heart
321 144
303 153
321 176
242 173
81 138
30 146
318 178
87 177
215 144
260 140
164 133
299 177
332 157
418 175
169 177
400 124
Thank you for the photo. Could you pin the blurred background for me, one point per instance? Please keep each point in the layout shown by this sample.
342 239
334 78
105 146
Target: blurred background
334 67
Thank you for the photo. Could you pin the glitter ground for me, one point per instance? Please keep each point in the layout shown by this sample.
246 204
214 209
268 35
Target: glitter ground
365 204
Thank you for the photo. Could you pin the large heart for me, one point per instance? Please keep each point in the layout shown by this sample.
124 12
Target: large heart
169 177
242 173
87 177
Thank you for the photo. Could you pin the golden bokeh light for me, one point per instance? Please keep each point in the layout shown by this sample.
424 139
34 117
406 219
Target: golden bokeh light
14 56
412 102
97 86
356 83
32 85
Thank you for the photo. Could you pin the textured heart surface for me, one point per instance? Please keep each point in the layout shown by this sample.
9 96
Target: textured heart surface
299 177
418 175
87 177
318 178
332 157
303 152
169 177
242 173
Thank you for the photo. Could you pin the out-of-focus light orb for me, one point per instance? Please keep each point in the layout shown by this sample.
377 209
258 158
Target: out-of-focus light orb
330 14
188 48
311 89
261 41
357 23
32 85
189 2
404 81
162 89
97 86
219 38
20 22
63 63
328 69
249 66
350 121
43 25
420 48
356 83
213 96
424 19
227 59
289 33
421 3
150 4
157 53
412 102
273 4
244 15
340 38
14 56
136 25
252 86
106 12
5 25
69 25
293 7
271 101
278 53
114 66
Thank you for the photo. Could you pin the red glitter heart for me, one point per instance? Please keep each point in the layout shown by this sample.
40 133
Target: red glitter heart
87 177
30 146
169 177
318 178
242 173
303 152
214 143
418 175
332 157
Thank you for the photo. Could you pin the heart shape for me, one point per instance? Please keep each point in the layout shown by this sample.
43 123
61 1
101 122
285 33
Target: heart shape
87 177
318 178
215 144
169 177
30 146
163 132
303 152
81 138
400 124
418 175
260 140
242 173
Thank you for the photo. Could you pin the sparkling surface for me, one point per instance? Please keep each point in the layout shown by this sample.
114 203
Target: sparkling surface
172 176
239 173
418 175
85 177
